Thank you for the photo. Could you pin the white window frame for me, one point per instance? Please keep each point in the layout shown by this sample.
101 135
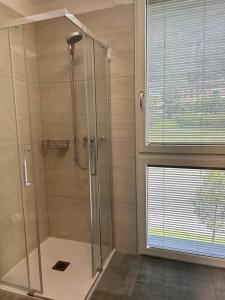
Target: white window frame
167 160
162 155
140 79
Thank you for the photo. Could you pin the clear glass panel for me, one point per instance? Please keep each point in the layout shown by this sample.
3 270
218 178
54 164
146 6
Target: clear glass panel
93 148
185 210
185 72
12 233
23 83
104 155
56 145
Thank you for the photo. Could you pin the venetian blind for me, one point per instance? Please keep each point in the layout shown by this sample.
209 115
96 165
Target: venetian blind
186 210
185 97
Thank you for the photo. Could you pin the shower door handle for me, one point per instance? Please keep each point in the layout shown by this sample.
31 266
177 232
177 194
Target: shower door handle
26 180
93 156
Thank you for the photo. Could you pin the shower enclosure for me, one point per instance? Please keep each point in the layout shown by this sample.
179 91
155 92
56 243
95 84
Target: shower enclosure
55 160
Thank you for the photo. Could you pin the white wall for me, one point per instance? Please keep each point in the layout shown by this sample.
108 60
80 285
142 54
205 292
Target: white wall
30 7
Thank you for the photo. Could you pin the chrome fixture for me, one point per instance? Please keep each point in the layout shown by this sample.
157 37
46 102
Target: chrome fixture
27 182
71 40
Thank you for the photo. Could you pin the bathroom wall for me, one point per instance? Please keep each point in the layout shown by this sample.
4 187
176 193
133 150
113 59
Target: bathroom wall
67 186
115 26
12 242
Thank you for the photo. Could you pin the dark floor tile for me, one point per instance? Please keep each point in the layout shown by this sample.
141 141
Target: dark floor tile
121 275
99 295
218 276
5 295
172 280
159 279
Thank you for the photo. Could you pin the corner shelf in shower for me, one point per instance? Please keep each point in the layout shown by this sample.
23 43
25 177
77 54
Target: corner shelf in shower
56 144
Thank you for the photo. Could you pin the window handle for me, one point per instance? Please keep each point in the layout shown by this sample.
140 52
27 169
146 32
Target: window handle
141 97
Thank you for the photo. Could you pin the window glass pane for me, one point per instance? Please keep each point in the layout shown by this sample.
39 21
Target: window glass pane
186 210
185 72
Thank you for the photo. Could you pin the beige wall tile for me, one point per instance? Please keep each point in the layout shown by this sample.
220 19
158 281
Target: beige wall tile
124 2
18 54
12 242
56 111
71 218
67 182
122 109
125 227
40 176
116 27
21 97
31 52
54 67
8 136
5 62
30 43
35 111
11 229
124 181
10 191
53 53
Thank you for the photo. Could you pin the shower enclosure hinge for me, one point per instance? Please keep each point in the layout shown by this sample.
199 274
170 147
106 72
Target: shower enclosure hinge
31 293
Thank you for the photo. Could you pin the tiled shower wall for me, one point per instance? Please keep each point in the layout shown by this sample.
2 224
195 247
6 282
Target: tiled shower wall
115 26
67 186
67 191
68 202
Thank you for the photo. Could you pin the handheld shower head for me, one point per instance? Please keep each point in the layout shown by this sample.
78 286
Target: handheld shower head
72 39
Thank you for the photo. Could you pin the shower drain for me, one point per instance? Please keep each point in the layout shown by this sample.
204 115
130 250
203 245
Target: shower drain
61 266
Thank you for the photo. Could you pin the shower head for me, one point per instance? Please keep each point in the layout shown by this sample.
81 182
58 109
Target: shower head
74 38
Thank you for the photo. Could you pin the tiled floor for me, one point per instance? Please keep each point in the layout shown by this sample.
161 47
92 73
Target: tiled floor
130 277
146 278
11 296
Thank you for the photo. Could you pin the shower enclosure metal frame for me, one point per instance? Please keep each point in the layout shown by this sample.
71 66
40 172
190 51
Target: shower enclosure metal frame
86 33
52 15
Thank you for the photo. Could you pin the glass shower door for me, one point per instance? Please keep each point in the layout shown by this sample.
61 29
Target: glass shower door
92 151
104 147
99 149
26 142
12 233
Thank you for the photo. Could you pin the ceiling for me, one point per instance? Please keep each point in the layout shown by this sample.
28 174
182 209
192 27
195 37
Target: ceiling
30 7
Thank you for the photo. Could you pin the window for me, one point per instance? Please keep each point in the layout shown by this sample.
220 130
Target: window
186 210
185 72
180 64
